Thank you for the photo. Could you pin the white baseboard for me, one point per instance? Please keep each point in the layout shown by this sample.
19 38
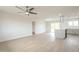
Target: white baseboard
14 38
3 40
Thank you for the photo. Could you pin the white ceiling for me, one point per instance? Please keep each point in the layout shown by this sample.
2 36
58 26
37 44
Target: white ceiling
45 11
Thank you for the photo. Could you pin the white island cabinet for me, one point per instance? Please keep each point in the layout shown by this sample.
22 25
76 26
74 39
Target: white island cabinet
60 33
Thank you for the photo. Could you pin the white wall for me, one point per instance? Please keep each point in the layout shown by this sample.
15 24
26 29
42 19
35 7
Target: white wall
40 27
14 26
48 26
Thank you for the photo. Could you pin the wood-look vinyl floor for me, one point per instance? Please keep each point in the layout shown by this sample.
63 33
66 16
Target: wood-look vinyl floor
41 43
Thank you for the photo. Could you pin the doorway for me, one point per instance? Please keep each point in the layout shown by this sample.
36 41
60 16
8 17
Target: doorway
55 26
33 28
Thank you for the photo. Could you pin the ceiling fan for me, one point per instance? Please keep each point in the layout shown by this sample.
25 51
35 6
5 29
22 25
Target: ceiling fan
26 11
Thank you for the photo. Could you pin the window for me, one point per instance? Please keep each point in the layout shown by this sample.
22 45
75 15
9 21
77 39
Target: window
70 23
73 23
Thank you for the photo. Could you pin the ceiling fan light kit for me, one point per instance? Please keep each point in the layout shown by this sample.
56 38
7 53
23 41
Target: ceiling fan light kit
26 13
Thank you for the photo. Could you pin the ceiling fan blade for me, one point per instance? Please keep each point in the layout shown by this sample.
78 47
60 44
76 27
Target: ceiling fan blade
20 8
31 9
33 13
